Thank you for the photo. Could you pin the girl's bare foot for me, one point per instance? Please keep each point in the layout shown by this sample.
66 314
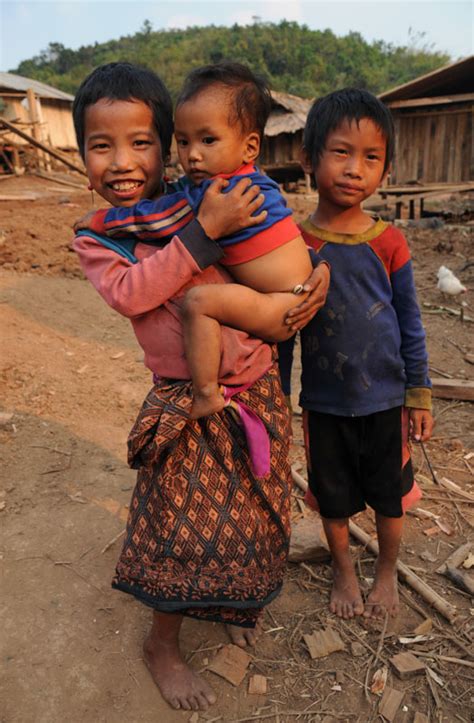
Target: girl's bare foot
206 402
244 636
383 597
346 600
178 684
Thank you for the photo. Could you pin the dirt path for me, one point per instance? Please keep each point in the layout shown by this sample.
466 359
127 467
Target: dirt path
72 375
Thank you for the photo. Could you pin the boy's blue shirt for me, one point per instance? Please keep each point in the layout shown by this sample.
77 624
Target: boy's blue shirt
364 351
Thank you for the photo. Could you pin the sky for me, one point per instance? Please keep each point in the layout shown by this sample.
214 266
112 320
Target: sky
26 28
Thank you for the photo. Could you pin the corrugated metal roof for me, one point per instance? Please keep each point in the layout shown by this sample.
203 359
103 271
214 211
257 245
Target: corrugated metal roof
453 79
11 81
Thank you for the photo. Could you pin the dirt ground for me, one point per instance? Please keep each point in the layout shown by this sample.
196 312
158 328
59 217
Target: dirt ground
73 378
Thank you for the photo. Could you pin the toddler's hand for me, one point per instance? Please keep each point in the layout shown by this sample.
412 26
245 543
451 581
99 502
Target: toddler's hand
221 214
421 424
84 221
317 285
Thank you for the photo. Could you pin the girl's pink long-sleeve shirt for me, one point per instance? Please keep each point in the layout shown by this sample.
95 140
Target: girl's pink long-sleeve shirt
150 293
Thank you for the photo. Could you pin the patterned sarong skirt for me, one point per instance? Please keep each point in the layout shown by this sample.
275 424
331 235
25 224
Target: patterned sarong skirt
206 537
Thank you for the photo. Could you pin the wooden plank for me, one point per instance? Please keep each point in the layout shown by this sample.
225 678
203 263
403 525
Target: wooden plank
323 642
390 703
406 665
231 663
438 100
462 389
19 197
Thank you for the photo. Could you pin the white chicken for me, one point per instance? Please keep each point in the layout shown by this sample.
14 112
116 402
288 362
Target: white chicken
448 283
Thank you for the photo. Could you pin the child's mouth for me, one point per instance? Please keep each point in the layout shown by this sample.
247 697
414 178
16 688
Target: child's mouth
125 186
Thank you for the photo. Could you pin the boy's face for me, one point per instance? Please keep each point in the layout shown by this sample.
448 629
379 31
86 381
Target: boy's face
351 166
208 143
122 151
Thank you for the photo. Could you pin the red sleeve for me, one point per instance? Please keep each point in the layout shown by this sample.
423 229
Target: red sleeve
392 249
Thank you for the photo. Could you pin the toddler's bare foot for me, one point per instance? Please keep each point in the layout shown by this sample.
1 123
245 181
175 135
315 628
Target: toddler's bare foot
383 597
346 600
206 401
244 636
178 684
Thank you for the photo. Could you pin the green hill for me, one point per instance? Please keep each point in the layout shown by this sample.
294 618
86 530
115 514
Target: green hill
292 57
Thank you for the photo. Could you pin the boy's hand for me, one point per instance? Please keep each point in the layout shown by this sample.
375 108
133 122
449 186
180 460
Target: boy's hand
317 285
421 424
221 214
84 221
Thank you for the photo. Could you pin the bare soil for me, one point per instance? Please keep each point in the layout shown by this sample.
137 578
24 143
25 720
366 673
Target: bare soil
73 377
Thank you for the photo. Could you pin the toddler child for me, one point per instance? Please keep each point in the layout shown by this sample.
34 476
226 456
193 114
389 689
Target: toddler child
219 122
364 378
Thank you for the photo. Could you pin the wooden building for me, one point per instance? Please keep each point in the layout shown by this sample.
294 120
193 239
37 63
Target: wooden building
38 109
280 154
433 117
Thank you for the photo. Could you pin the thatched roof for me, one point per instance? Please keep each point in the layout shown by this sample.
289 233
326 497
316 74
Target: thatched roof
288 114
19 84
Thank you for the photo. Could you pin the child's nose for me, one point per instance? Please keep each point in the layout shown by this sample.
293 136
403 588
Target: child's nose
354 166
122 160
194 152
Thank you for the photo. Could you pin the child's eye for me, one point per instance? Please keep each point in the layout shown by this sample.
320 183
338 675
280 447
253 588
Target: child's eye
142 142
181 142
340 151
208 140
99 146
373 157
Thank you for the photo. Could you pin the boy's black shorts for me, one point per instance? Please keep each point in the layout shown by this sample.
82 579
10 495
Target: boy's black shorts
354 461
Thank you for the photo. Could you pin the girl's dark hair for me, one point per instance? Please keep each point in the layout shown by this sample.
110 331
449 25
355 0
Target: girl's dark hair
252 101
124 81
349 104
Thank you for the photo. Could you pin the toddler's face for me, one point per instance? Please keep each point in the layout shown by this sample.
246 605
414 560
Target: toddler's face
208 144
122 151
351 166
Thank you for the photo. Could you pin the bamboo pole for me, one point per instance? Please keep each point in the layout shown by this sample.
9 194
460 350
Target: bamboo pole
52 152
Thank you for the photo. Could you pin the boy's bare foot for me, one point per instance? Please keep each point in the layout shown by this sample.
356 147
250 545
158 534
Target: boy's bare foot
244 636
206 402
178 684
383 597
346 600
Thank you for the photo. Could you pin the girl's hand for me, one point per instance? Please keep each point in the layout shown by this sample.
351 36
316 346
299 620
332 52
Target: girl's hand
317 285
84 221
221 214
421 424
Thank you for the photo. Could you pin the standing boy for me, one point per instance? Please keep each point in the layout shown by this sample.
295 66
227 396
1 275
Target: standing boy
365 385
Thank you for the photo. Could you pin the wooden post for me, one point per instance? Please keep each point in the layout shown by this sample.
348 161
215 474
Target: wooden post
43 159
411 214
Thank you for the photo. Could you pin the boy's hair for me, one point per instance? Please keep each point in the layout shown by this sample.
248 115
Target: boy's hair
252 100
124 81
350 104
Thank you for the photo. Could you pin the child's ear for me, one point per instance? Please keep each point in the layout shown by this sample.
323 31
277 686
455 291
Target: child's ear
305 161
252 147
386 173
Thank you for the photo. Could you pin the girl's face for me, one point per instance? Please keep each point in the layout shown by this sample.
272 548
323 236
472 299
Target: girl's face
122 151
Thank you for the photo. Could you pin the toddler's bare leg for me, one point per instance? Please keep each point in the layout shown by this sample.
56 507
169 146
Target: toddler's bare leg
179 685
346 600
383 597
204 309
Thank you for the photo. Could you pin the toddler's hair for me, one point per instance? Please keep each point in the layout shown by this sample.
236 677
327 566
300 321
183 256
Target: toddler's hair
350 104
252 100
124 81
